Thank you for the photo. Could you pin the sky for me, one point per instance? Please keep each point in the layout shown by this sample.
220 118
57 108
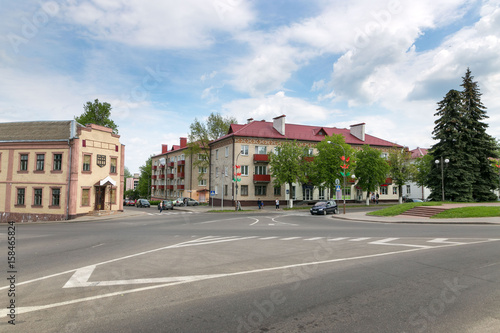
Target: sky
161 64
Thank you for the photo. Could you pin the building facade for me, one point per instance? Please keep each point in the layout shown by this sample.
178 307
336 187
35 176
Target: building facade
244 150
59 170
176 174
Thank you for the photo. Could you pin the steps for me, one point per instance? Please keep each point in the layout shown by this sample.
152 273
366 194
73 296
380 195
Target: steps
102 212
423 211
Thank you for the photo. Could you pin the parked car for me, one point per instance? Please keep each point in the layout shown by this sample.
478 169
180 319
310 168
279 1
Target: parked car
325 207
413 200
142 203
167 204
185 202
129 202
178 202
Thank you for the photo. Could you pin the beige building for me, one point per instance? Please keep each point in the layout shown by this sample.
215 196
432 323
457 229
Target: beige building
58 170
244 150
176 175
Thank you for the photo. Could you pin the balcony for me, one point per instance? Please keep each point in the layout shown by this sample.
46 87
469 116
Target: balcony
162 176
170 164
180 187
262 178
162 166
170 176
181 162
260 158
161 187
153 177
170 187
155 167
180 174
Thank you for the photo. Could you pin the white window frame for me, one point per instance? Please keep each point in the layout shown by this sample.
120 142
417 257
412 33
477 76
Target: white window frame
244 170
244 150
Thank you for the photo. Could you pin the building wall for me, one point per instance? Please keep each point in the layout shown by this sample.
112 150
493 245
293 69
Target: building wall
45 184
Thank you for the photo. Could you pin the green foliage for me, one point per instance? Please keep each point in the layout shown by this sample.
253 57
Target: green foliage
126 173
144 185
288 164
371 169
131 194
399 209
97 113
462 138
327 164
465 212
202 133
400 167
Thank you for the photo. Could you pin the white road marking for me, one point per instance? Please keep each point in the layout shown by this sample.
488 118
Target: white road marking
443 241
256 221
359 239
336 239
188 279
387 240
313 239
290 238
266 238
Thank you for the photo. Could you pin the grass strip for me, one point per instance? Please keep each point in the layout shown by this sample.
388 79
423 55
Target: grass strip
465 212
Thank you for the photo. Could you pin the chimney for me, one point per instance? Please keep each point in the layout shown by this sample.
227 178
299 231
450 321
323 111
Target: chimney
184 142
358 131
279 124
249 120
164 149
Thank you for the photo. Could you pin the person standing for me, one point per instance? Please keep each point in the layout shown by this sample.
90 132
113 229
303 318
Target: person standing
259 203
277 204
377 197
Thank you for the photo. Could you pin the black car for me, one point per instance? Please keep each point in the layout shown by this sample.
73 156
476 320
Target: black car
142 203
325 207
167 204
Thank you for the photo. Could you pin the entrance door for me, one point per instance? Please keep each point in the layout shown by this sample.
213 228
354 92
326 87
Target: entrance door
202 197
100 195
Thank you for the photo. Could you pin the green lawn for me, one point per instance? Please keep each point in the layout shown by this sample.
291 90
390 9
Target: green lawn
463 212
401 208
475 211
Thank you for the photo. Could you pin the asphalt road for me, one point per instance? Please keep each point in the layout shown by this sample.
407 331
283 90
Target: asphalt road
251 272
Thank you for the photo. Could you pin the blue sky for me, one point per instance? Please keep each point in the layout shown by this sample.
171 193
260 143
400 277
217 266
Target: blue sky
161 64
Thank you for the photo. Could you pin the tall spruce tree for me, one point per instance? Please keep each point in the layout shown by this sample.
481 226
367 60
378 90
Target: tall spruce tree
480 146
449 131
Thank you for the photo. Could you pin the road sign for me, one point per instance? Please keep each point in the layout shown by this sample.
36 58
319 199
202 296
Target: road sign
337 181
337 188
212 193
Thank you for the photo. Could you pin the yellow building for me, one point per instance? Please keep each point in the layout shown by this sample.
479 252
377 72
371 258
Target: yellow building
59 170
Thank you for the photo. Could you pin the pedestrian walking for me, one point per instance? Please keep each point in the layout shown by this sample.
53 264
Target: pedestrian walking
259 203
161 206
277 204
377 196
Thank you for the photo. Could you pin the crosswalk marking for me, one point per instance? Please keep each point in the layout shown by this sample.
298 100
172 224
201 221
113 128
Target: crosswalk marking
313 239
289 238
336 239
359 239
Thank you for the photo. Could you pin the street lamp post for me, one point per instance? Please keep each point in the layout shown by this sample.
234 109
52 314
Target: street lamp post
442 174
345 171
236 182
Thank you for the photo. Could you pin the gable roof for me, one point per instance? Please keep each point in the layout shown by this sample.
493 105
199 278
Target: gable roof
418 152
38 131
264 129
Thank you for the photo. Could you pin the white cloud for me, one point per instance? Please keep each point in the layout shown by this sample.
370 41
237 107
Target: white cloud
159 24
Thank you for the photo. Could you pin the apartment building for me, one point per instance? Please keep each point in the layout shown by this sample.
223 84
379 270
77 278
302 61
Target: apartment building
247 145
175 174
59 170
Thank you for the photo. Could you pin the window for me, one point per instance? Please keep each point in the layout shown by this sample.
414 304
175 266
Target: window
216 171
113 195
225 190
23 166
310 151
57 165
261 170
227 151
384 155
216 190
101 160
260 149
244 150
244 190
244 170
113 165
182 157
277 190
347 191
56 196
225 171
38 197
86 162
216 154
20 196
201 157
202 169
394 190
40 161
321 193
202 182
408 189
85 197
383 190
260 189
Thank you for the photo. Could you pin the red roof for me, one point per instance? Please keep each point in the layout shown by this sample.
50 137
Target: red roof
418 152
264 129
